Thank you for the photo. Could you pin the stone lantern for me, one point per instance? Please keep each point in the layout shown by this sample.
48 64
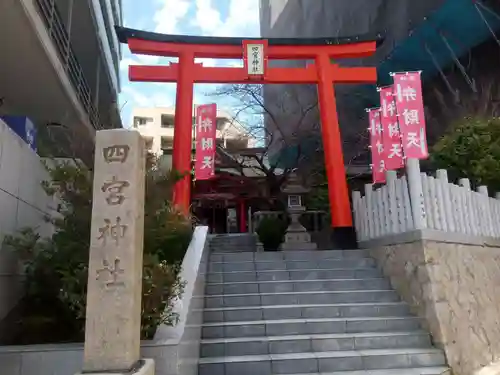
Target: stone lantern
296 236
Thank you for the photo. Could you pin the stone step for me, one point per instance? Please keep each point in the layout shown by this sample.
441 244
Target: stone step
321 362
303 274
398 371
375 309
296 286
285 327
301 298
313 343
289 255
231 250
320 264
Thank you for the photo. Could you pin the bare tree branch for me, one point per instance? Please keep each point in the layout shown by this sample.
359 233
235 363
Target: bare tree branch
274 122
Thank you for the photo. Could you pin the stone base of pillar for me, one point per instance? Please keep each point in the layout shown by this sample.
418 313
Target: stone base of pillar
297 237
143 367
344 238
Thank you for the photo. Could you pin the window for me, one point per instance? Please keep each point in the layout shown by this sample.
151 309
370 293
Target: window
141 121
167 121
167 143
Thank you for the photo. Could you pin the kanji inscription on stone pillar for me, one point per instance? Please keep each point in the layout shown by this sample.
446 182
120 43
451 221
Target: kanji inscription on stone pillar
112 331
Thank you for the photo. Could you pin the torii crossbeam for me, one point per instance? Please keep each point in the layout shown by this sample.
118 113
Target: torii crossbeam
322 72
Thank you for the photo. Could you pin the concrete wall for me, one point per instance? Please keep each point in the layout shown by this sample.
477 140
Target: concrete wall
450 282
175 350
23 203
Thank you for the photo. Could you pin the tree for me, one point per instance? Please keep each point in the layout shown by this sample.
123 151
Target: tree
56 268
59 140
280 123
471 149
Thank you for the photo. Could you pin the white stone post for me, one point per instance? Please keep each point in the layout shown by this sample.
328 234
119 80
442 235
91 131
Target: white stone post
427 201
380 212
447 217
391 177
401 206
114 291
488 212
370 211
407 204
435 203
416 193
495 203
468 214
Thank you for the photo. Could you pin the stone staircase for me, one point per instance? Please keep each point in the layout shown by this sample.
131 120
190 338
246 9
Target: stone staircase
237 242
328 312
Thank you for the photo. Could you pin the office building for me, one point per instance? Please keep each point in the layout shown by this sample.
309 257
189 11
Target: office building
453 42
156 125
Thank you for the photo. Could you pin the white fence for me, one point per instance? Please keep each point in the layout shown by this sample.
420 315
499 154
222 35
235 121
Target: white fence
418 201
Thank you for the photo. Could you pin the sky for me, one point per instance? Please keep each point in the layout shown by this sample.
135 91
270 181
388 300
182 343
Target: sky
238 18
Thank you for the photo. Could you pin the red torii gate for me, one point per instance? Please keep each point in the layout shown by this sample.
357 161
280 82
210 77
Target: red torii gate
322 72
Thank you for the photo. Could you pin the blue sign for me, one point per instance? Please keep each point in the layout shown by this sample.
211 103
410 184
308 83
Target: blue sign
23 127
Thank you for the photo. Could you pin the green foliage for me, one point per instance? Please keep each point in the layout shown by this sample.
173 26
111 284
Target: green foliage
318 199
271 232
471 149
56 268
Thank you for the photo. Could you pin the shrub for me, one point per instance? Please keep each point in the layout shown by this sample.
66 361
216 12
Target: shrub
271 232
56 268
471 149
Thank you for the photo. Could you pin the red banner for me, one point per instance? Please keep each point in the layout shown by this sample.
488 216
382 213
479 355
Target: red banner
206 126
391 137
410 106
378 162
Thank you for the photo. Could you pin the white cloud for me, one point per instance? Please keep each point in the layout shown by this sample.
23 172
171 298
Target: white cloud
148 59
207 62
210 63
126 62
207 18
134 97
171 13
179 17
242 20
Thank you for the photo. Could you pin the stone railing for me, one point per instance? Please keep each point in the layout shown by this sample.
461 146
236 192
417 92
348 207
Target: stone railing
418 201
439 244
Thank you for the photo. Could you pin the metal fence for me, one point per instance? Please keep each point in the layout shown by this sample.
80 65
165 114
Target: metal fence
57 31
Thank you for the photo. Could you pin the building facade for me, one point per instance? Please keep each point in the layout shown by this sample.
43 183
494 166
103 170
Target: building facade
61 62
453 42
156 125
59 65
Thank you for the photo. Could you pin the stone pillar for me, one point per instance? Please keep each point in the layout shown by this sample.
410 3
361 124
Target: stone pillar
416 193
296 236
114 290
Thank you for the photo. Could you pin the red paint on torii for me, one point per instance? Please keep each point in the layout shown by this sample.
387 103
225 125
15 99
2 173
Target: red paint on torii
322 72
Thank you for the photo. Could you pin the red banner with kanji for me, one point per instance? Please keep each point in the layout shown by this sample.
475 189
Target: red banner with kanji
410 106
206 121
391 137
376 146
